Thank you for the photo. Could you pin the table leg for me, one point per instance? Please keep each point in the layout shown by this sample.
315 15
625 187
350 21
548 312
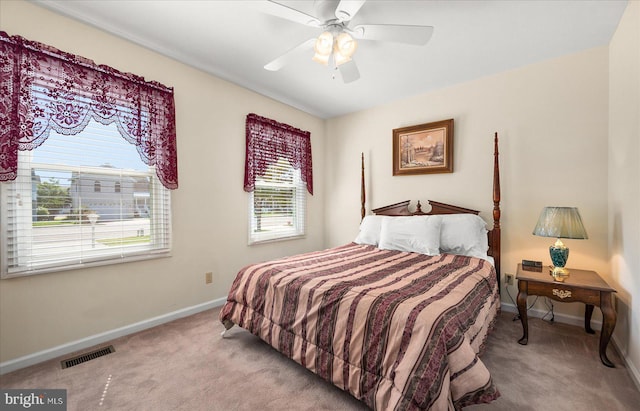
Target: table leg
522 310
608 324
588 311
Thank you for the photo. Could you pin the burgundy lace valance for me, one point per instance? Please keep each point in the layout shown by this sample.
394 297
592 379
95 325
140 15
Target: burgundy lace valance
267 141
43 89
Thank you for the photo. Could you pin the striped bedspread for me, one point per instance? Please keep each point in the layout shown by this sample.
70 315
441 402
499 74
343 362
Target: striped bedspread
397 330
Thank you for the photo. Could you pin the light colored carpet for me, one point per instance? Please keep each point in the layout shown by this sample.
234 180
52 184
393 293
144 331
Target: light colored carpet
186 365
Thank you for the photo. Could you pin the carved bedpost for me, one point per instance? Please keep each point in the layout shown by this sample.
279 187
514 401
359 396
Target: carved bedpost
496 207
362 191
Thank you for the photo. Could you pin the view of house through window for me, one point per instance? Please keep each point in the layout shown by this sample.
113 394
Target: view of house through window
83 198
277 204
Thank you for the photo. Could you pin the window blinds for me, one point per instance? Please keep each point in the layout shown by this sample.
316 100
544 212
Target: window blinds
82 199
277 204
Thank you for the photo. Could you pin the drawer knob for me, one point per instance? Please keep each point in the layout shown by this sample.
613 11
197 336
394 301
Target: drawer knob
562 294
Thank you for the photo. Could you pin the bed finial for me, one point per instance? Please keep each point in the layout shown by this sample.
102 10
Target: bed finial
362 191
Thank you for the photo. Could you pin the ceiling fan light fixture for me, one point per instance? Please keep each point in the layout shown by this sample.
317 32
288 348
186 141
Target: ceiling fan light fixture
323 47
344 48
324 43
345 45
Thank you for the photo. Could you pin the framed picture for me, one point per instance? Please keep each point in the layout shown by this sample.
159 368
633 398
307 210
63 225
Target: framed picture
423 149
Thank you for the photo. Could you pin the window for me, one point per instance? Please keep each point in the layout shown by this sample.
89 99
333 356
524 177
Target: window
59 218
278 172
277 204
70 130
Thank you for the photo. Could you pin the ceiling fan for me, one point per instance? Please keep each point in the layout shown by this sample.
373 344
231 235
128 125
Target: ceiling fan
338 41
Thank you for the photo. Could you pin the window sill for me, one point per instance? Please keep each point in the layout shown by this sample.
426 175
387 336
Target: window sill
100 263
277 239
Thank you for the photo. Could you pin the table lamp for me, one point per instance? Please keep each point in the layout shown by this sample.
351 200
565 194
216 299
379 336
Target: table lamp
560 222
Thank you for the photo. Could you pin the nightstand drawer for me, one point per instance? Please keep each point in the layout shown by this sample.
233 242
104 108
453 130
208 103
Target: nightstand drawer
564 293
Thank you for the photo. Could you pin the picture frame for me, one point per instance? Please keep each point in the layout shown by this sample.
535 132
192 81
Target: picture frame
423 149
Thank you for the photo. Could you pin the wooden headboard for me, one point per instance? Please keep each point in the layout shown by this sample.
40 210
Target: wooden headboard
402 209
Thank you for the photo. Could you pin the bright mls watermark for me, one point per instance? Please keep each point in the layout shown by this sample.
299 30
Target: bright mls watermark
33 399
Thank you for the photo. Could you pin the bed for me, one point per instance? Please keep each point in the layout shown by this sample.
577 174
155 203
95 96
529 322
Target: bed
398 328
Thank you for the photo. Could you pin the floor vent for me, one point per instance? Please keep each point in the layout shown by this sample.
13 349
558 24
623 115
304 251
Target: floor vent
87 356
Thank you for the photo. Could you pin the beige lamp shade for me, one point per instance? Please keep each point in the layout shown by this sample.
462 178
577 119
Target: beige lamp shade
560 222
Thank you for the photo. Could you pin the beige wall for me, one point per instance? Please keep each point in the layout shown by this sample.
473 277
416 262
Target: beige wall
624 181
209 208
552 120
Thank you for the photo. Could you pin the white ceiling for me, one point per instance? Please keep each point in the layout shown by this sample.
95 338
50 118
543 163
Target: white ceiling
234 40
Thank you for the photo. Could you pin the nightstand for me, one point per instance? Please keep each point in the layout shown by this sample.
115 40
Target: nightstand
581 286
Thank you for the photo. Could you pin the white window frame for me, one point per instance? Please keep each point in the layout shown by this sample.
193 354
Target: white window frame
298 220
160 221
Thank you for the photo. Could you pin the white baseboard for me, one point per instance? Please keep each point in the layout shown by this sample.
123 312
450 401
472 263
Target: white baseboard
633 371
84 343
579 321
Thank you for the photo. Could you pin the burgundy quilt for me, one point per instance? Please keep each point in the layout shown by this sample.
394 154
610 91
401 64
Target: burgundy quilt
397 330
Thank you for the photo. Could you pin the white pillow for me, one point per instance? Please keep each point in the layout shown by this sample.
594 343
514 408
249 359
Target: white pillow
369 230
414 234
464 234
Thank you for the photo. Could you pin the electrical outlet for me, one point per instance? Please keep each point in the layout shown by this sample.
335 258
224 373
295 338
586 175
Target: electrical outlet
509 279
208 278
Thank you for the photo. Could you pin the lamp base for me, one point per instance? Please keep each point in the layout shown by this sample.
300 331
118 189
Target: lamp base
559 273
559 256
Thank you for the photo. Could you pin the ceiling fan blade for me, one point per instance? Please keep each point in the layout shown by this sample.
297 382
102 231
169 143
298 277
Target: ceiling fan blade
416 35
287 13
284 59
348 8
349 71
